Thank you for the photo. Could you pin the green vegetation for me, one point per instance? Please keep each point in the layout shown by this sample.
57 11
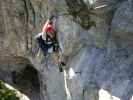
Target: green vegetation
7 94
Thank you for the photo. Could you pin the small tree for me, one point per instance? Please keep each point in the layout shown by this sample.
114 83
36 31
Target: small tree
7 94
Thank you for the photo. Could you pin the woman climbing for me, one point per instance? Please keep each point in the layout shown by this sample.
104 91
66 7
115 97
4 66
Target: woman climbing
48 42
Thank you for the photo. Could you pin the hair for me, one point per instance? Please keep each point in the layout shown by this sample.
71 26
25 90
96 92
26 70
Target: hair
51 17
51 22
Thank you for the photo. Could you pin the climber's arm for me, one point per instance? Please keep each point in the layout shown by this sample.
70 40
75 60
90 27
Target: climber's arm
43 33
45 25
38 35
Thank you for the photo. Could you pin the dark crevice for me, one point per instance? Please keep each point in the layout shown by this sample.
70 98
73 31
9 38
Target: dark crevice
26 23
26 9
28 77
14 77
34 20
30 74
30 12
83 94
27 80
34 14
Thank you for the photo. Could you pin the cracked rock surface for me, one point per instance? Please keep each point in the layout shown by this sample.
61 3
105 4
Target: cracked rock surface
96 38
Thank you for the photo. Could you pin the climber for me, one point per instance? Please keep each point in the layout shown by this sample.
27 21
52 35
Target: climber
48 43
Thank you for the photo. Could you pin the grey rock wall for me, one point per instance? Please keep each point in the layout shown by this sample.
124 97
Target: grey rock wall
96 38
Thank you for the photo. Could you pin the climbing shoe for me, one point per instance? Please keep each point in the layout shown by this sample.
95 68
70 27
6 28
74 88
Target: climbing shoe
61 66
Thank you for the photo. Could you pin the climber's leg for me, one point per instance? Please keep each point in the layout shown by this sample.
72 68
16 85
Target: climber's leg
58 61
56 57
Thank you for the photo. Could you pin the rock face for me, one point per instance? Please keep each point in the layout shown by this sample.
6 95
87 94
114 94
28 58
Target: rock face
96 38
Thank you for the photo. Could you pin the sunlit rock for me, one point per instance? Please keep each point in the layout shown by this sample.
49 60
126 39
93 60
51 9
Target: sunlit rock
105 95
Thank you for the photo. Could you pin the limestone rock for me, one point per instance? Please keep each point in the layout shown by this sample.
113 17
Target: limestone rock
95 37
123 21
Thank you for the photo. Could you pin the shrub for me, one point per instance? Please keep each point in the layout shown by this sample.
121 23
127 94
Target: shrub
6 93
